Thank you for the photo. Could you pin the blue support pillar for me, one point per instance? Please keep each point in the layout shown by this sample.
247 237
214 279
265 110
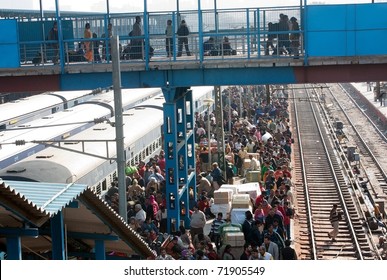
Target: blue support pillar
60 37
171 160
100 253
57 237
200 28
180 154
191 158
183 160
14 248
181 134
13 237
146 34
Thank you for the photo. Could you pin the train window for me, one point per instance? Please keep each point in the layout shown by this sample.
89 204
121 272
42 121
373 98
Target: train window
136 158
70 143
143 154
2 126
98 188
45 156
16 170
104 186
139 157
147 151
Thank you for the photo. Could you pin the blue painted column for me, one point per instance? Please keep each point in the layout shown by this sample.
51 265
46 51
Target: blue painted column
146 34
248 33
258 34
171 160
13 237
14 248
304 26
57 237
216 17
200 28
60 37
100 253
191 156
183 159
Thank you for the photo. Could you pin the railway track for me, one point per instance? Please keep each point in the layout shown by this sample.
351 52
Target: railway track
321 183
363 134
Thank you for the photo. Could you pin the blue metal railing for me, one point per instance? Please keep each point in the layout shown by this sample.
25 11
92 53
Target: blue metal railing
246 30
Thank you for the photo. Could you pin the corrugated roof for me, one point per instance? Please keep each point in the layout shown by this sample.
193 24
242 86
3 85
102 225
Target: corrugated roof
47 198
37 202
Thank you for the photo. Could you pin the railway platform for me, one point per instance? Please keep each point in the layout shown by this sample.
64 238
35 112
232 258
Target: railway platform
379 106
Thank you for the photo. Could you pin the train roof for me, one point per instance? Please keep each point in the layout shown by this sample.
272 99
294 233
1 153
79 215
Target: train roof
58 165
65 123
17 108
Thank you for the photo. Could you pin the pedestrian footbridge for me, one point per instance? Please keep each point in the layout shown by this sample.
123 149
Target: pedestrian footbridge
334 43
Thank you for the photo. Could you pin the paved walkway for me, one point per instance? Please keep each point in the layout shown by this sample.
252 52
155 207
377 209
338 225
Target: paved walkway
369 95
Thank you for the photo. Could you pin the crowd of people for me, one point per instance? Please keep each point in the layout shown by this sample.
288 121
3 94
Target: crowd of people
262 129
288 37
260 132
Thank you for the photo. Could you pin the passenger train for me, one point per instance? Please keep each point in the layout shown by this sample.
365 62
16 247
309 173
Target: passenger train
63 124
89 157
34 107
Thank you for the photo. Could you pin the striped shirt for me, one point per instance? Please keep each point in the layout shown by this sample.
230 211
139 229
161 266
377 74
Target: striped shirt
215 226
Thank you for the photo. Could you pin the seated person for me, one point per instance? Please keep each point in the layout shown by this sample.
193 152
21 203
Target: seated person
209 47
226 47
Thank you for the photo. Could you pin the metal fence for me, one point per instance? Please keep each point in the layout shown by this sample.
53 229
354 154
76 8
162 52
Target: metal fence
245 29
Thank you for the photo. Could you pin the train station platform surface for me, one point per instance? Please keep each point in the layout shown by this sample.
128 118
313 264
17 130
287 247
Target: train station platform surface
367 92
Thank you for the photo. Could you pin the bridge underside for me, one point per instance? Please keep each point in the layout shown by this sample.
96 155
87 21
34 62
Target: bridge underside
50 79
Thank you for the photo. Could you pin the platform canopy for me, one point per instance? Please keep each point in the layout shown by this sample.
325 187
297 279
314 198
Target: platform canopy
85 215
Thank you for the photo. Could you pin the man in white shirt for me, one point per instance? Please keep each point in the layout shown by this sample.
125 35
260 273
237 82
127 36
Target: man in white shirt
250 146
254 164
198 221
140 214
163 255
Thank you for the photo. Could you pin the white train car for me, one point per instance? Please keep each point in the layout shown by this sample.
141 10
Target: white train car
64 124
34 107
89 158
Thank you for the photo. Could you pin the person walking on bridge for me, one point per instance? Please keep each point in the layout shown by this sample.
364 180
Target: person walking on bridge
182 34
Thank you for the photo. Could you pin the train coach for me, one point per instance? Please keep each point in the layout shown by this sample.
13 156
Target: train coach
89 156
29 138
34 107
